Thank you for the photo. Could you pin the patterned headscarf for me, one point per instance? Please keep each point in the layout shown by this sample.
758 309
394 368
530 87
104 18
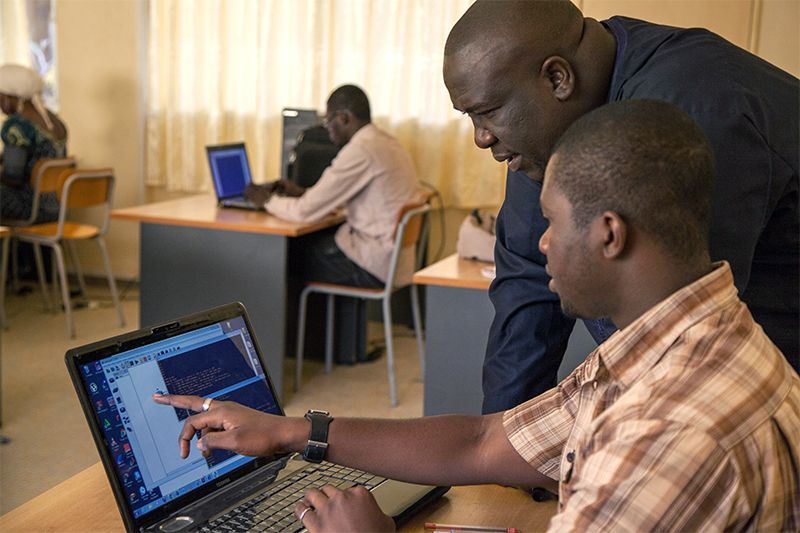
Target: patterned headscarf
26 84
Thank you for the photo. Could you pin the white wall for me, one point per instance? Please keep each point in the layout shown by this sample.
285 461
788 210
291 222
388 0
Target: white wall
100 52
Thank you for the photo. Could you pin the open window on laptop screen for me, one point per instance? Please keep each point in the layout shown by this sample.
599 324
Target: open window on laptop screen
139 437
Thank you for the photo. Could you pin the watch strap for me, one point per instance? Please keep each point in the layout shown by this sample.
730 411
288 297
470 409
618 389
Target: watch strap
317 445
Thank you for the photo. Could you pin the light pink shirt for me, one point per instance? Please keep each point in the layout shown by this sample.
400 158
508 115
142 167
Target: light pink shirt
372 177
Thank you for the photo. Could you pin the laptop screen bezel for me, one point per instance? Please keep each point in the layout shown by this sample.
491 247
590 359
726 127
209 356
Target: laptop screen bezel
91 353
211 150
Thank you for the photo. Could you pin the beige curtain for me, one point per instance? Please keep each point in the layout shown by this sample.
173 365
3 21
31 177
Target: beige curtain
221 71
14 33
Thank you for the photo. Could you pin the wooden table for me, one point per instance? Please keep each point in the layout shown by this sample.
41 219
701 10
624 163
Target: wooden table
84 503
195 256
457 321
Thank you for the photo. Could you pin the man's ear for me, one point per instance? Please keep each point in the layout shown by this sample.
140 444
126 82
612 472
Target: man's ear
347 116
558 71
614 234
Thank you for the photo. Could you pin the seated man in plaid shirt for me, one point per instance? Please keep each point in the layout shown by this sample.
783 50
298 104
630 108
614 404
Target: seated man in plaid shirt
686 419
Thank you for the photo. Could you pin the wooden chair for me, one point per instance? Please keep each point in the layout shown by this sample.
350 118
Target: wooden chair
76 188
44 170
409 233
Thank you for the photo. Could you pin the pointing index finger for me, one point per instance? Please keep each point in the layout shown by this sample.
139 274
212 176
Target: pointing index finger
194 403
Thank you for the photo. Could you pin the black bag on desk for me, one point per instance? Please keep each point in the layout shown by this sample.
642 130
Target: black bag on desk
312 155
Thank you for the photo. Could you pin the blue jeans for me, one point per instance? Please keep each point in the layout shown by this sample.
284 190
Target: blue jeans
324 261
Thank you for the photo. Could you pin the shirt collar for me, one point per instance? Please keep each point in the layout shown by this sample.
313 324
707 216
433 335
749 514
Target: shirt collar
621 39
629 353
362 131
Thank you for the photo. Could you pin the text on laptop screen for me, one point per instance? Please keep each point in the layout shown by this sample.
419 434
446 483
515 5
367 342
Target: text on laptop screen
217 361
230 170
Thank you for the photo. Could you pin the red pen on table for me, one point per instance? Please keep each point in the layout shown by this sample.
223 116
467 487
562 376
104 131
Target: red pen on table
453 528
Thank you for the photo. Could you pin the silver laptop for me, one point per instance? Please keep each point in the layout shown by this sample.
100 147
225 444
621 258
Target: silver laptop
211 354
230 172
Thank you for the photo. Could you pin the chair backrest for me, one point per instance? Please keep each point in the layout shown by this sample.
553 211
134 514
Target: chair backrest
79 188
45 173
44 178
409 229
413 226
85 188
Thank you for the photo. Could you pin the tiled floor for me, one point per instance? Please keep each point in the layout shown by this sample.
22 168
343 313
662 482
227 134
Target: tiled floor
49 437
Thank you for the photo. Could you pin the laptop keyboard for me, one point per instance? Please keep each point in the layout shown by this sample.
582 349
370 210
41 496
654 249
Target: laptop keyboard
273 509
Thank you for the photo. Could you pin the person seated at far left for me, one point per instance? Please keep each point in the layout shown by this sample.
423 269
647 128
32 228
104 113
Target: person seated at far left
29 133
372 176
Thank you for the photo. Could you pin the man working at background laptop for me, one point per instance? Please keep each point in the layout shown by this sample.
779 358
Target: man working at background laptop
687 418
524 70
372 176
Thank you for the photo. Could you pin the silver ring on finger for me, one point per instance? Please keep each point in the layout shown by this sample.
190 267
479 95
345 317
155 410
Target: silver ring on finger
207 404
303 514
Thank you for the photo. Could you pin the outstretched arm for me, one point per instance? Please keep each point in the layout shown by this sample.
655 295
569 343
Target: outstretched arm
442 450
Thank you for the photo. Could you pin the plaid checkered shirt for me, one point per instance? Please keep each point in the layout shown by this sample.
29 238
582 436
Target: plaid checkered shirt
686 420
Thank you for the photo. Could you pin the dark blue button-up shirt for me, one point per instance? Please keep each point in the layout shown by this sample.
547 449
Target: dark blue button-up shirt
749 111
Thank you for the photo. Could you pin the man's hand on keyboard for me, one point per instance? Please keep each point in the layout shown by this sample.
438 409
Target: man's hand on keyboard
333 509
259 194
231 426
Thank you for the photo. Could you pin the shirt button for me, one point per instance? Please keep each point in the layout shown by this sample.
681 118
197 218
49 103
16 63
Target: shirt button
570 456
594 384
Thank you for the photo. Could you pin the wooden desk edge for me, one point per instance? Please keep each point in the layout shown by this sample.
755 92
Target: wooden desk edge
230 226
270 224
454 271
69 503
84 502
422 279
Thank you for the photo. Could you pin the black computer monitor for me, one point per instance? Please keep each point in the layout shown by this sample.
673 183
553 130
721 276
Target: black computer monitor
294 121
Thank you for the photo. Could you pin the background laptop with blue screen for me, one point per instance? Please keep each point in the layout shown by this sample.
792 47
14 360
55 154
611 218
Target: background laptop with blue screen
230 172
210 354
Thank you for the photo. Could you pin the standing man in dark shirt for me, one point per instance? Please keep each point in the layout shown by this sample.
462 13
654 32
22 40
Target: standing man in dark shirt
525 70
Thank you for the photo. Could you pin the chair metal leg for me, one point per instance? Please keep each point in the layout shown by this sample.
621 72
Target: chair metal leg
329 334
62 274
76 262
54 281
112 285
37 254
3 269
415 312
301 337
15 264
387 329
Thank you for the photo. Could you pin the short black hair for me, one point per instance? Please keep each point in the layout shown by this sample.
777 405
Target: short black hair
646 160
350 98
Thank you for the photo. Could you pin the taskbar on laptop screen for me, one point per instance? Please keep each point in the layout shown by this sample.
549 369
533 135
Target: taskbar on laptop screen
217 361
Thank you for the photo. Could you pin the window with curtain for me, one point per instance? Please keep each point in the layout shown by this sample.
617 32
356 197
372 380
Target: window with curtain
27 37
223 71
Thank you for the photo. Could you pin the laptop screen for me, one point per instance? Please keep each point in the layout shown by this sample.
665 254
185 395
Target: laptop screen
217 360
230 169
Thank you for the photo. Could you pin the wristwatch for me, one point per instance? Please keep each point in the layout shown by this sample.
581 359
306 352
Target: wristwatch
318 437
